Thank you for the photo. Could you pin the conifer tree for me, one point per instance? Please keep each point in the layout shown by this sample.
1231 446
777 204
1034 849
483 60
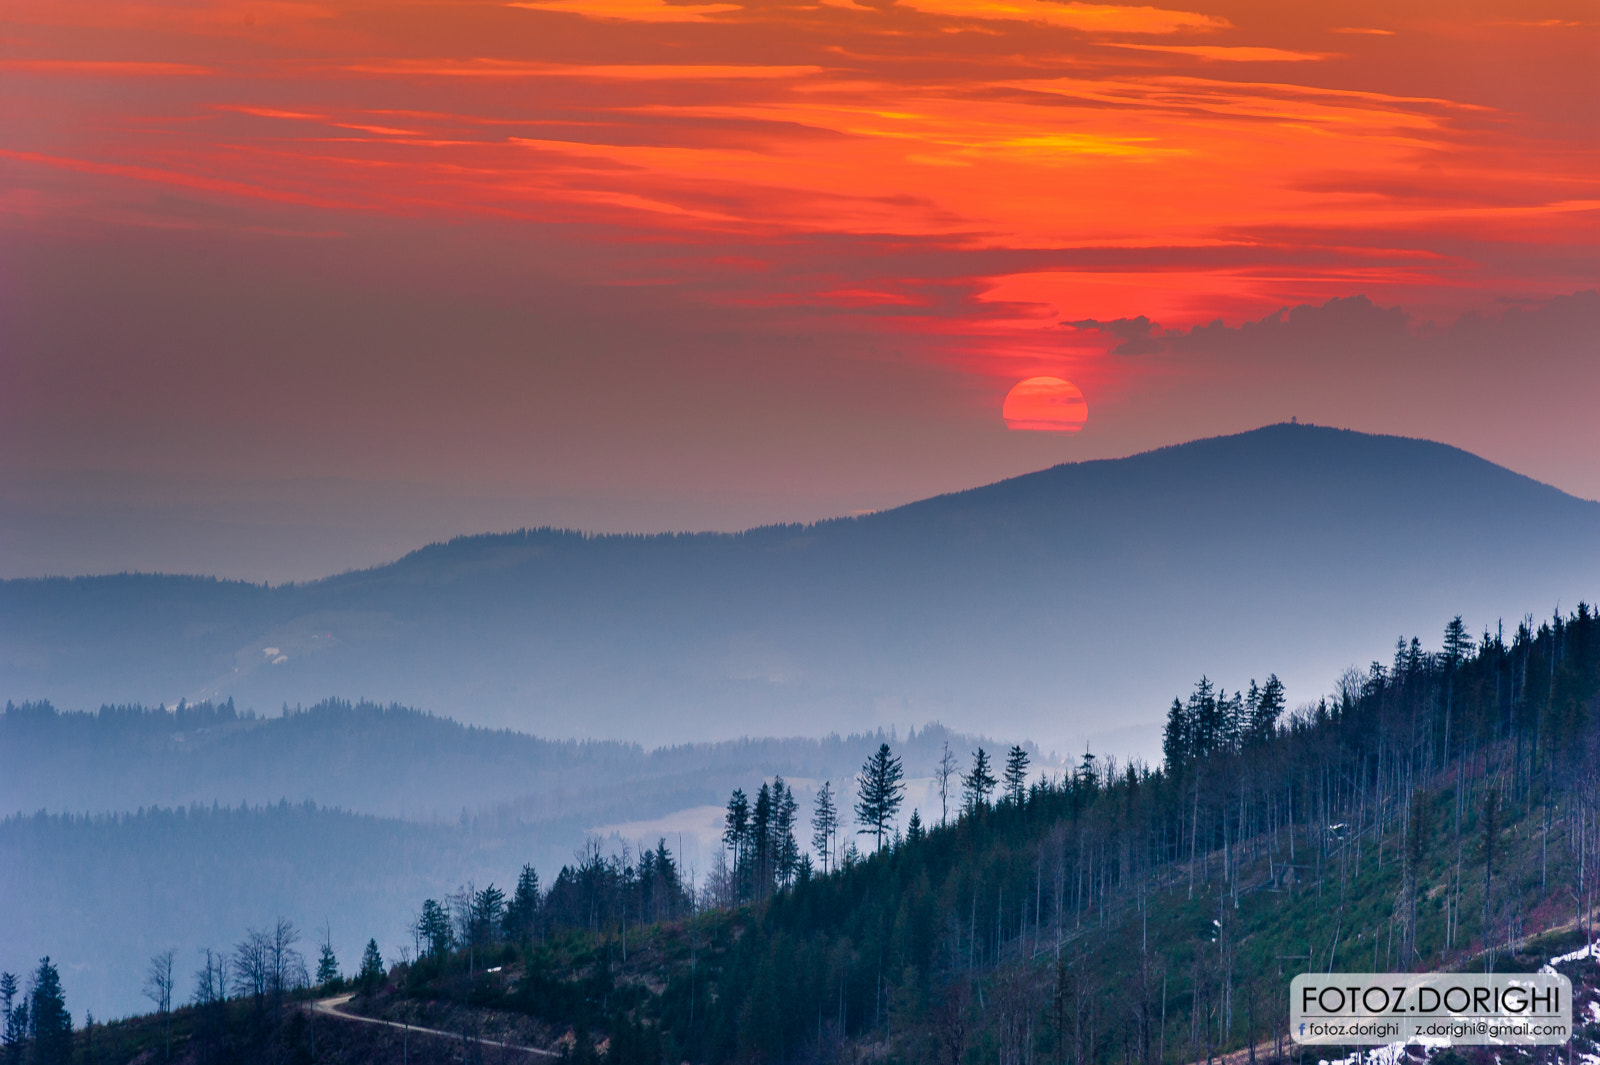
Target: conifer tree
16 1032
327 965
736 836
824 823
488 916
914 830
11 1031
1457 648
48 1019
977 785
786 852
523 911
761 871
1016 776
1268 707
1207 731
371 975
879 792
1177 745
433 928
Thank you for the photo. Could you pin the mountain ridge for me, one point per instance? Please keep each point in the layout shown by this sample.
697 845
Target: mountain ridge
1023 600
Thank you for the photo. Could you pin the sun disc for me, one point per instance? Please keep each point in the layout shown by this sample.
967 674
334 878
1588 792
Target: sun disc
1045 405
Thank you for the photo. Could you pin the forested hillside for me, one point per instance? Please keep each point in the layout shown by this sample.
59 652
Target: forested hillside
1025 607
132 828
1439 809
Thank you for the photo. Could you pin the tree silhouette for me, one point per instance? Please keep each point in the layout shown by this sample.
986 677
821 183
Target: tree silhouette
1016 776
158 989
48 1018
977 785
327 965
879 792
371 974
824 823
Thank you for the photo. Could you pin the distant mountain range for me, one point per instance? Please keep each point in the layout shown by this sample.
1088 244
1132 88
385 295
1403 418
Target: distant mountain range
158 829
1067 605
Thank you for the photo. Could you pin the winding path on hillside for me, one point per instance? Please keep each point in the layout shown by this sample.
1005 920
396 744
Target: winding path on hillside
329 1007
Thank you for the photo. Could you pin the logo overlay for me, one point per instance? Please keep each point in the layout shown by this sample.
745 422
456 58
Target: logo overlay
1442 1009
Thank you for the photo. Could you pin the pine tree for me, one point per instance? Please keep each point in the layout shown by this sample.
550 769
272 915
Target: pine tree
433 928
1177 745
736 824
11 1031
761 842
879 792
1457 648
1266 710
786 852
16 1032
522 913
48 1018
371 975
327 966
977 785
1207 730
488 916
1016 776
914 830
824 823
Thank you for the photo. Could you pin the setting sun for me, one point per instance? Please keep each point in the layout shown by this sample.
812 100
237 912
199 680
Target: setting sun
1045 404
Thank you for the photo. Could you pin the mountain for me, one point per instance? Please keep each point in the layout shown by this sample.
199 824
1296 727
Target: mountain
1070 604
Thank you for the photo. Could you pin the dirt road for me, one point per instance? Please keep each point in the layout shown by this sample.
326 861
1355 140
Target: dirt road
330 1007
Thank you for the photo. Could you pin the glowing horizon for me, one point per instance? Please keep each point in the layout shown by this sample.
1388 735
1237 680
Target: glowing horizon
852 212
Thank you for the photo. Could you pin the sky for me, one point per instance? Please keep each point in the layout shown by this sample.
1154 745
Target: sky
292 286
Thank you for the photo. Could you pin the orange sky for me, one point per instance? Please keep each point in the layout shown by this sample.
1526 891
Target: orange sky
947 178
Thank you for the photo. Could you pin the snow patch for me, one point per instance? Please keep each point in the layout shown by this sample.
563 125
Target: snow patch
1577 955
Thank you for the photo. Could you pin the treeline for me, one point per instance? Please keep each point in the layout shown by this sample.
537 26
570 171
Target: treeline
598 892
1127 912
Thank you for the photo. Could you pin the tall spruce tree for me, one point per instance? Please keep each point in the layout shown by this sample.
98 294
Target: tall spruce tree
1266 710
736 836
522 913
1016 776
433 929
786 851
824 824
48 1018
1457 649
488 916
13 1030
761 843
1177 742
371 974
327 965
977 785
879 792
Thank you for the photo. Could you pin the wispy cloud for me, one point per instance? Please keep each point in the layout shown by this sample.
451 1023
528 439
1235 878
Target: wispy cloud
631 10
1091 18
